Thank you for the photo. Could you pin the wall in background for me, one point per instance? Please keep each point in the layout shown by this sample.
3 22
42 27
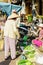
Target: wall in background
5 1
42 7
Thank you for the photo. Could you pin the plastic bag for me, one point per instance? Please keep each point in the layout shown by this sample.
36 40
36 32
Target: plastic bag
1 44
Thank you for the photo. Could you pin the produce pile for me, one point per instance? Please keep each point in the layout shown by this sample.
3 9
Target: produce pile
27 57
25 62
29 51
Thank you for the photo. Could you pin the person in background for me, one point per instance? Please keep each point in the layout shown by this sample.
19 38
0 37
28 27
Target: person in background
10 34
39 40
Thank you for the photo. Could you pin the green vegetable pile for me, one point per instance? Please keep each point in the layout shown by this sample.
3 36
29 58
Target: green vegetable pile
25 62
29 48
29 51
27 56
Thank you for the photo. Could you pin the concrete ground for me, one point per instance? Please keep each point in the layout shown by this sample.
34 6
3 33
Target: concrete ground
7 62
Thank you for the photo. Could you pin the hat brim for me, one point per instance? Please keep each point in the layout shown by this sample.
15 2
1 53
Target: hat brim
40 25
13 15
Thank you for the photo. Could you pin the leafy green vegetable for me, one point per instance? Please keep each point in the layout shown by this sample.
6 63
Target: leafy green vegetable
25 62
30 18
25 38
29 48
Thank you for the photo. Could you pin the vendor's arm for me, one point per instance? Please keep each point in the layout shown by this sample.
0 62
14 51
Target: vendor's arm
41 34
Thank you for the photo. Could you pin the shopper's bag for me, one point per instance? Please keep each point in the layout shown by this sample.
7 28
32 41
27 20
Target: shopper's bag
1 44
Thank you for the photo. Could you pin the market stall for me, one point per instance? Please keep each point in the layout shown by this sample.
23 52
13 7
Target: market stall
29 52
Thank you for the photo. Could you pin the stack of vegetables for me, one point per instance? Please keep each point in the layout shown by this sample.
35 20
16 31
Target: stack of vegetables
25 62
27 57
29 51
